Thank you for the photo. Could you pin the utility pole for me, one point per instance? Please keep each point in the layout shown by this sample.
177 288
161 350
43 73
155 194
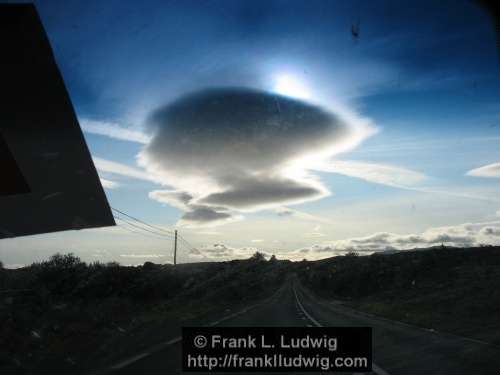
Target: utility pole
175 248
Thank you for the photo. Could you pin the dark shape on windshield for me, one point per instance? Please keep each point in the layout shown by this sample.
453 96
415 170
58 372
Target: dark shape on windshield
49 182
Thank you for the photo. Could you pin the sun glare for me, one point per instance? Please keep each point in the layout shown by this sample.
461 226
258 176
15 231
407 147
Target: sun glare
288 85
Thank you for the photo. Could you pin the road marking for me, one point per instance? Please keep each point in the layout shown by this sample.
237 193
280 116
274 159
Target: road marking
376 369
409 325
129 361
162 345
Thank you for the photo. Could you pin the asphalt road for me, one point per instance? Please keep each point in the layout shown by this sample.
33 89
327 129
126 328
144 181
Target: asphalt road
397 348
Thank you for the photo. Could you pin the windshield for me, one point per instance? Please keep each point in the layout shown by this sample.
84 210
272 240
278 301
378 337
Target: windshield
174 163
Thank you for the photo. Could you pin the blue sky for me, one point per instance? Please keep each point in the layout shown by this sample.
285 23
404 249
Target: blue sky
418 92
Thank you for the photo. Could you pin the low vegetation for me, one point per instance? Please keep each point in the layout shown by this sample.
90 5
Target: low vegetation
449 289
60 313
67 315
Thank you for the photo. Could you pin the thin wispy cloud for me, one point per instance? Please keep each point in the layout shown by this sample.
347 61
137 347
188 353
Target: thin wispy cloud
147 256
403 178
316 232
108 184
490 171
113 130
458 192
377 173
113 167
290 212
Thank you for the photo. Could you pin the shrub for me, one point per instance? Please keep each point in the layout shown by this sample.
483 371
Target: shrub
61 272
258 256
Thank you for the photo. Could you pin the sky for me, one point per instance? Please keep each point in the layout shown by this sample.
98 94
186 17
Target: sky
267 125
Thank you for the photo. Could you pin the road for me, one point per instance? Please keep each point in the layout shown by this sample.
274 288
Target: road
397 348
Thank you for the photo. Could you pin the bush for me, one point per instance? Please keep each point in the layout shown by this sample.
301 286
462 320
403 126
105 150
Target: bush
61 273
352 254
258 257
63 262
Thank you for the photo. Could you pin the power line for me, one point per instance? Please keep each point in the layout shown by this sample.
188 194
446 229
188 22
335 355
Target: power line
156 231
186 242
191 247
175 248
142 228
142 222
127 229
157 236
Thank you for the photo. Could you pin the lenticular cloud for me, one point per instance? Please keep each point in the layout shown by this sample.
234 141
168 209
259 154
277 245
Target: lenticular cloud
225 151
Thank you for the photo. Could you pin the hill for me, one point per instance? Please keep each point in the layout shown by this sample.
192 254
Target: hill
455 289
73 316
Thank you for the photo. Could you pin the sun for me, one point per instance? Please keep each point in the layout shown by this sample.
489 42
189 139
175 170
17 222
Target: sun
288 85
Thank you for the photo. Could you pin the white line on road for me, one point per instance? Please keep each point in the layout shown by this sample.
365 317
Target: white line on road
162 345
404 324
376 369
129 361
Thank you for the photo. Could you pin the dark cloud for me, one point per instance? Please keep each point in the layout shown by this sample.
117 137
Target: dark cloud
240 149
385 241
217 251
284 212
220 130
194 213
491 231
253 191
177 199
205 214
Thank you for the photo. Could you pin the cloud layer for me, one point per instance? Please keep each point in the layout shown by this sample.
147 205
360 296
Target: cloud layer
225 151
463 235
222 251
